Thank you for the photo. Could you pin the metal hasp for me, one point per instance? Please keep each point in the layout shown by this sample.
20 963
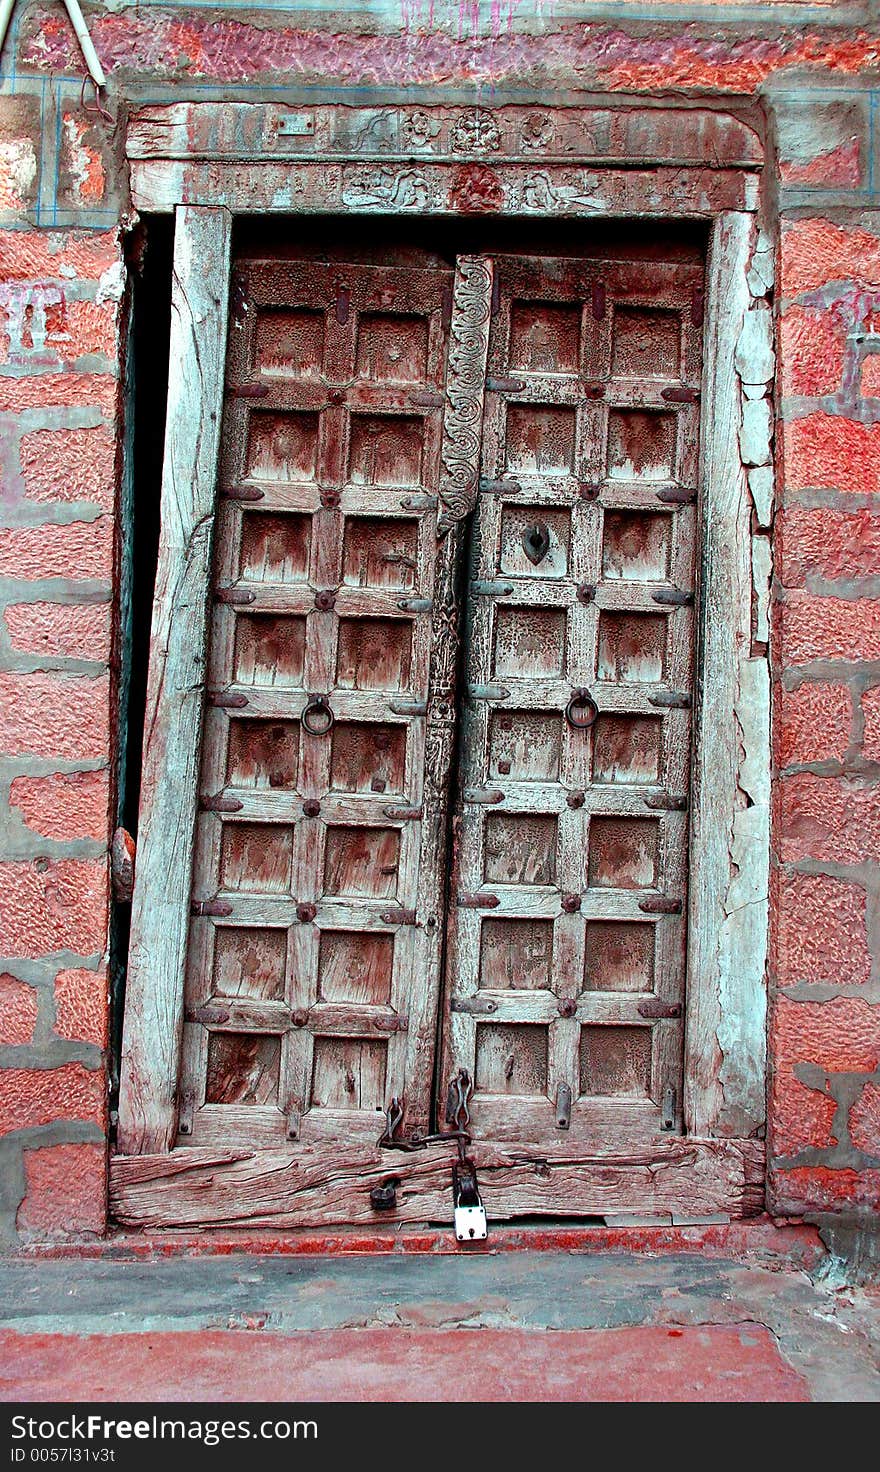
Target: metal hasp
469 1213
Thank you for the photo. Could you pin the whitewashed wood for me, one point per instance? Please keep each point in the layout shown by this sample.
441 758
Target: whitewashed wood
160 909
266 1188
726 991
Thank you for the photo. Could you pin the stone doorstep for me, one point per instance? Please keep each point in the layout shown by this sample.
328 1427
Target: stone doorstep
792 1244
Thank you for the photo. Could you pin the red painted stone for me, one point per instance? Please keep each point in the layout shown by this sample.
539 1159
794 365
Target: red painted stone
830 544
81 1005
864 1120
830 451
821 932
813 723
64 805
48 390
65 1193
53 905
815 251
828 628
800 1117
69 465
870 379
871 740
839 168
41 254
811 351
715 1362
30 1097
841 1036
18 1010
84 549
64 716
820 1188
79 630
828 818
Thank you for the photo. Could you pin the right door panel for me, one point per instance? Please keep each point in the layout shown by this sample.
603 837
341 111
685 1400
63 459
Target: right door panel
566 974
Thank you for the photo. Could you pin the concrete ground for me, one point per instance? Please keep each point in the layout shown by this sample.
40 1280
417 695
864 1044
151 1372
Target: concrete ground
433 1325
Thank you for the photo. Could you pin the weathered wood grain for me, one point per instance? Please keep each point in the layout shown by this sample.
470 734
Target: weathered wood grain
318 1187
726 996
160 919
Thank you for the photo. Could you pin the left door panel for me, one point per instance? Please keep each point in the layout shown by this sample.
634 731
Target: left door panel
304 959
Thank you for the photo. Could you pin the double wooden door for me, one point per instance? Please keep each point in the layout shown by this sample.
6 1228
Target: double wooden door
445 749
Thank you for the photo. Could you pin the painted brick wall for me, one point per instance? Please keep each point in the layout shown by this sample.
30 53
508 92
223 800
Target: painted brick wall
825 1031
59 334
59 349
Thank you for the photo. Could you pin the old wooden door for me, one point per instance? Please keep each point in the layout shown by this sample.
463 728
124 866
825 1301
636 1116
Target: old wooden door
566 967
511 443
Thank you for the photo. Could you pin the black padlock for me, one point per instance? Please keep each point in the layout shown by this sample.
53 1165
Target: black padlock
384 1196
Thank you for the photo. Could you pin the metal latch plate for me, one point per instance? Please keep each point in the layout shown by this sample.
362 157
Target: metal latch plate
470 1224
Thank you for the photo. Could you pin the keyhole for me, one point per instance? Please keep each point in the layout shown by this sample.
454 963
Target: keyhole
509 1063
536 542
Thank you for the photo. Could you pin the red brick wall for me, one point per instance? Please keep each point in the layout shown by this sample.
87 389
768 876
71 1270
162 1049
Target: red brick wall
59 432
59 351
825 1025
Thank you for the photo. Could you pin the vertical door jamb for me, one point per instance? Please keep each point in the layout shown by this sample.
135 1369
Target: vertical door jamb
169 789
725 1044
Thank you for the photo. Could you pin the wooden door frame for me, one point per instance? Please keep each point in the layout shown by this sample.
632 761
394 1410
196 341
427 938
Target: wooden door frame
198 159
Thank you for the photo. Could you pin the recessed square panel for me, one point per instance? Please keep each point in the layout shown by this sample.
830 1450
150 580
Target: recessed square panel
379 552
385 450
392 347
249 961
374 654
624 853
518 540
632 648
349 1073
545 337
282 447
368 757
636 546
520 848
529 642
256 856
274 547
525 744
355 966
540 439
616 1061
646 342
627 748
242 1068
262 753
515 955
511 1058
641 444
289 342
620 956
362 862
269 649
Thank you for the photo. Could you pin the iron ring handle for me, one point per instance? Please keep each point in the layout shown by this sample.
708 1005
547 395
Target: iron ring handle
317 717
581 701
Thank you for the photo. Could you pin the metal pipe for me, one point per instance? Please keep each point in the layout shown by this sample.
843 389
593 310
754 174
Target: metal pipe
77 20
6 7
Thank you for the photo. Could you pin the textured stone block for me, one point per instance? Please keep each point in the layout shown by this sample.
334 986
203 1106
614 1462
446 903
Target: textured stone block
66 1191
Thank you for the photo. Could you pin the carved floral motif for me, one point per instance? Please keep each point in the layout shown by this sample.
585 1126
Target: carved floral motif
465 386
475 132
537 130
418 128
